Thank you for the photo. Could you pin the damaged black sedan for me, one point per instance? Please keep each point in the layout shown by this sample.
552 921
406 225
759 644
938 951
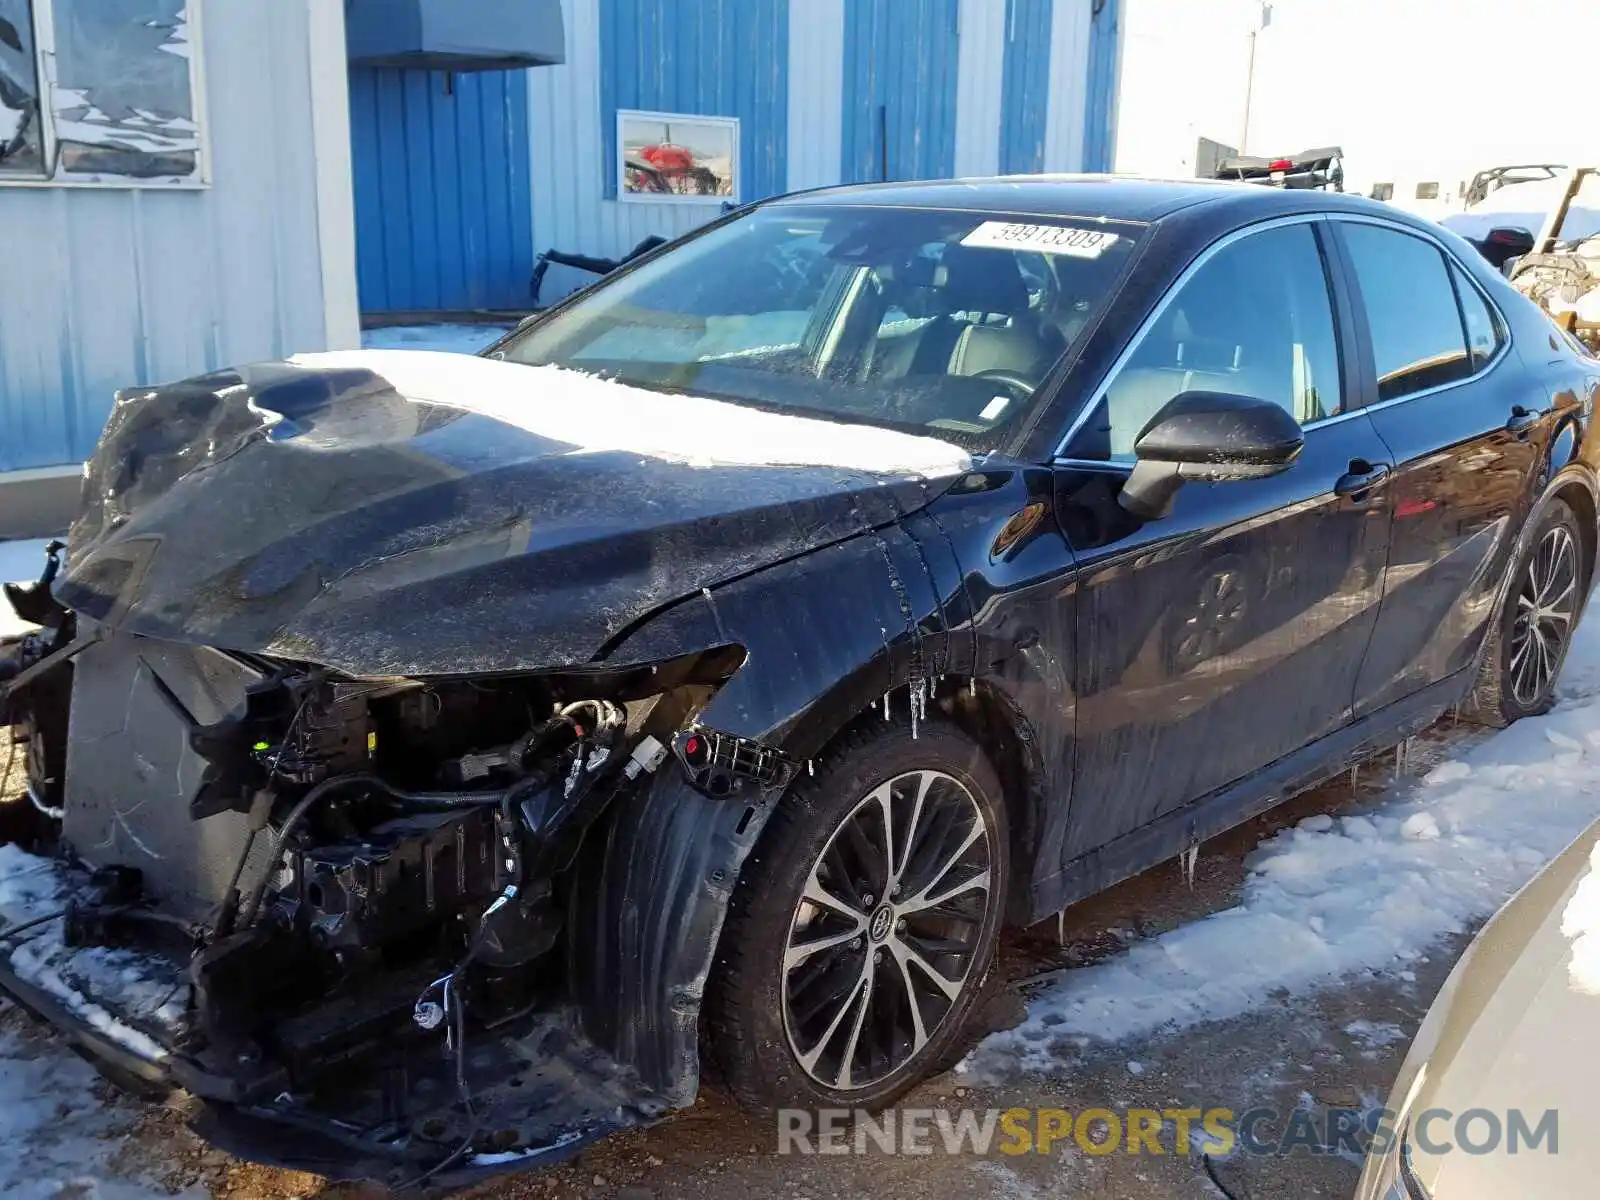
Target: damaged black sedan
435 762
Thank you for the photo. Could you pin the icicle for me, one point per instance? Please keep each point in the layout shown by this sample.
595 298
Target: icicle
919 705
1061 928
1355 775
886 706
972 686
811 767
1190 860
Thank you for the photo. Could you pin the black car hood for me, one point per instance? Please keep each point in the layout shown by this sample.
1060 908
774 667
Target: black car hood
409 513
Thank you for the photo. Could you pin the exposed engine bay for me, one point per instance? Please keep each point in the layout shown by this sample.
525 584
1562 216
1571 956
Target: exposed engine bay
341 909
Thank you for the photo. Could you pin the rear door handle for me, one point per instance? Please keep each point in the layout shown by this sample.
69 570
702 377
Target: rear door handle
1521 422
1362 479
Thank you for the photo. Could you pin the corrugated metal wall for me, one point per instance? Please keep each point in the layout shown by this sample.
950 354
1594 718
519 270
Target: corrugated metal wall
1100 113
1025 90
1068 74
442 188
724 58
573 177
900 79
970 85
816 92
102 289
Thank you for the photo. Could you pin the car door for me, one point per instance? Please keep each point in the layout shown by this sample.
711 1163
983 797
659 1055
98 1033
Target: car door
1228 634
1462 421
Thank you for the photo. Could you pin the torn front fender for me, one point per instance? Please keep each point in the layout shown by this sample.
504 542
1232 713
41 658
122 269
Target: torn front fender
826 636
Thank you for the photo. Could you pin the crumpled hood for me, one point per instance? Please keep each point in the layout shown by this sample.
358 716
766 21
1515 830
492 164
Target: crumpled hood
414 513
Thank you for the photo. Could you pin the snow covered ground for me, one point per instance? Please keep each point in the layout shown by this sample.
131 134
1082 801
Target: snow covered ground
458 339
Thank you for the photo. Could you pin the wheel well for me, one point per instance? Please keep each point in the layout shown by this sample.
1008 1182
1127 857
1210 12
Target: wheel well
989 718
1582 503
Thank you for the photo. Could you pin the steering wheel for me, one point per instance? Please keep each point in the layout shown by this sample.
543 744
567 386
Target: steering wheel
1021 387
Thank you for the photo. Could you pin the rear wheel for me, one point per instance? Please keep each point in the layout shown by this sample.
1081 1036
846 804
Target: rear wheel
864 925
1529 642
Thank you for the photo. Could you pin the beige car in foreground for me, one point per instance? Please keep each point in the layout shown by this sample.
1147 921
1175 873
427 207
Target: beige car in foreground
1499 1095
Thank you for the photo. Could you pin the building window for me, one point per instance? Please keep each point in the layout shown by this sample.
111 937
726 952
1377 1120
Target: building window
1428 191
118 102
1382 191
675 157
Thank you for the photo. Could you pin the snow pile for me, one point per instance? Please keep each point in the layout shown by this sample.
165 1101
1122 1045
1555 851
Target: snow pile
452 339
1353 895
56 1133
594 414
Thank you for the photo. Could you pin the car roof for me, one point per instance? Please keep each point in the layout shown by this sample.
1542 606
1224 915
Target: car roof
1116 197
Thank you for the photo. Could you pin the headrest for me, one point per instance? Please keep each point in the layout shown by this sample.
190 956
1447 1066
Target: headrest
975 280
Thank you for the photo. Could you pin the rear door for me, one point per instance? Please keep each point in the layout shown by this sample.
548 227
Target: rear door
1462 421
1222 637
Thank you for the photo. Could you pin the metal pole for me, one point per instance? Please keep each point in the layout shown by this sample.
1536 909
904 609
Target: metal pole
1249 87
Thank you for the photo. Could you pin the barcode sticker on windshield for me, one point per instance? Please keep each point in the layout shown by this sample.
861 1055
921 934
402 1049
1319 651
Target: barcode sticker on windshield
1042 239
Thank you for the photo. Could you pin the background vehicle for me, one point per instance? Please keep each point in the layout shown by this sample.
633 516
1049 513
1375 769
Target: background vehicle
1504 225
1321 170
1494 178
1510 1032
775 621
1561 270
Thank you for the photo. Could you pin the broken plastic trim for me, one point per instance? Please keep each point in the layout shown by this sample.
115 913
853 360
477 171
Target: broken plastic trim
715 761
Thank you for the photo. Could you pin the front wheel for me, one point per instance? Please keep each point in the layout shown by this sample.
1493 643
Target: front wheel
864 925
1529 642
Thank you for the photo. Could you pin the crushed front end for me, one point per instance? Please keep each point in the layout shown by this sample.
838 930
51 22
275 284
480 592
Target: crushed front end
341 911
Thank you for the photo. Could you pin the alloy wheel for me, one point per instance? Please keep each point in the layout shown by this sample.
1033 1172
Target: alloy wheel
885 934
1547 601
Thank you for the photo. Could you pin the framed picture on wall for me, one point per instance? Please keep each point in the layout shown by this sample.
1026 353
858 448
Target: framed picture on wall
676 158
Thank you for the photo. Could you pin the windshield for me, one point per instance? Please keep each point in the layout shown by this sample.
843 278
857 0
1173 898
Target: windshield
939 323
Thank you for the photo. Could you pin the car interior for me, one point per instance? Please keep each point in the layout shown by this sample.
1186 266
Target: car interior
1245 325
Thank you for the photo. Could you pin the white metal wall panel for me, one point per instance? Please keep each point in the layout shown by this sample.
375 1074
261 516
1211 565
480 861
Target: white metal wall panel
816 92
110 288
570 176
1069 77
980 71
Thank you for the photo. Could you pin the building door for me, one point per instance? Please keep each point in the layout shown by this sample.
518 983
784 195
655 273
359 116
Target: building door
443 197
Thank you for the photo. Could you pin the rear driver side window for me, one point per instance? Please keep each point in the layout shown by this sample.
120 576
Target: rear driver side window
1417 338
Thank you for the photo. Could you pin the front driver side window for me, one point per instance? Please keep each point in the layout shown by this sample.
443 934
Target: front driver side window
1254 320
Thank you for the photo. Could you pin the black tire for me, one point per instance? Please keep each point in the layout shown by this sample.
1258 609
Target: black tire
1506 690
750 1016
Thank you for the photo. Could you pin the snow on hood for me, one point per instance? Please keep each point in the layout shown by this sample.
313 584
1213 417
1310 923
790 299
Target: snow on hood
600 415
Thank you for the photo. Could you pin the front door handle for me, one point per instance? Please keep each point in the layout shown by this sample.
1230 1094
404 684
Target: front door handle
1362 479
1521 422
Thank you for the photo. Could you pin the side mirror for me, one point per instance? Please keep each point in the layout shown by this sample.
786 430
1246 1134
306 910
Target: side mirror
1207 435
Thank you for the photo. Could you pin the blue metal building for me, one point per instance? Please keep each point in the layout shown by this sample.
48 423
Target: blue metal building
461 179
